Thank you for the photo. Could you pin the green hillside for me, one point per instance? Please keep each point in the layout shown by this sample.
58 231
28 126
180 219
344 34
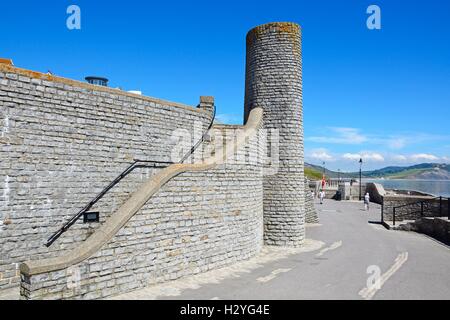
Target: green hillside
406 173
431 171
312 174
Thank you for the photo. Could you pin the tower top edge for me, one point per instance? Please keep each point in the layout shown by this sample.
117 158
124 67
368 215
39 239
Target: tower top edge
281 27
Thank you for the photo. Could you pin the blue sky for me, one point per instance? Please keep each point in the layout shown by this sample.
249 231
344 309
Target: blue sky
381 94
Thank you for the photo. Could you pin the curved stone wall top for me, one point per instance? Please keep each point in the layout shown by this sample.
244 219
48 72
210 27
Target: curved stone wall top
135 203
376 192
291 29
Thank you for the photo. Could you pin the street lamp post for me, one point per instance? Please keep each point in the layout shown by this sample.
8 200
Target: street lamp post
323 176
360 177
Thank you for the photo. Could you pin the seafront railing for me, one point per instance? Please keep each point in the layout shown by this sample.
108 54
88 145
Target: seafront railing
433 207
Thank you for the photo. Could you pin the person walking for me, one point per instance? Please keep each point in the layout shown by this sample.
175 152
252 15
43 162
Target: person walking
366 201
321 196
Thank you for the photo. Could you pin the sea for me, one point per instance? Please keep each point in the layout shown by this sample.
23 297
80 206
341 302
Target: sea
433 187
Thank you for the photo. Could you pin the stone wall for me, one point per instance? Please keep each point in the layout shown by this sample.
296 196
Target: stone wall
197 222
310 211
437 228
376 192
63 141
273 81
350 191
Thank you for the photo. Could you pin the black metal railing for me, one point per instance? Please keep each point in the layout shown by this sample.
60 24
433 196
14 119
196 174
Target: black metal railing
136 164
428 211
201 140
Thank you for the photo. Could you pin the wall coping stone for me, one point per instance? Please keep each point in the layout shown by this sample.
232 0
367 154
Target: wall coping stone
6 61
9 68
407 197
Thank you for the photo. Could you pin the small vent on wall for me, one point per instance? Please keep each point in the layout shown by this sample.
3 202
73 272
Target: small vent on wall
99 81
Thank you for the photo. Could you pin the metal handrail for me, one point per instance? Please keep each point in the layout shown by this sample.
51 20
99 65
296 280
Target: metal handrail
421 202
417 202
202 139
128 170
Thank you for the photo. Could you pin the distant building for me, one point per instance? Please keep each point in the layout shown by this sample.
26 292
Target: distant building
136 92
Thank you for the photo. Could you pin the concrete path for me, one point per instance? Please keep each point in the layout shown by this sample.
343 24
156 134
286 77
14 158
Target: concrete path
10 294
342 259
334 265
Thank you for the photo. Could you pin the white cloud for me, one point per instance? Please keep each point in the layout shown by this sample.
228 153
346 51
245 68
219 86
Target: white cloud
399 157
411 138
419 157
229 118
373 157
378 157
321 154
351 156
423 157
365 156
396 143
356 136
340 135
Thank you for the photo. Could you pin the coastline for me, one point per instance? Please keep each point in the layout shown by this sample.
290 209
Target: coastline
430 187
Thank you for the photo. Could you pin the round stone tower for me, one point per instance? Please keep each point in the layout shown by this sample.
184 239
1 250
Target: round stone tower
273 81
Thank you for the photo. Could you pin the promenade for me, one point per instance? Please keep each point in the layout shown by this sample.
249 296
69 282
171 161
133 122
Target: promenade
333 264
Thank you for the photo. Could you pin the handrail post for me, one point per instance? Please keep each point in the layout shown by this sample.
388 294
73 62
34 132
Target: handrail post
382 209
448 208
421 209
202 139
393 217
440 206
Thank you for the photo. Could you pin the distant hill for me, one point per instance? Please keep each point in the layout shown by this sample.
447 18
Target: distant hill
312 174
428 171
431 171
313 170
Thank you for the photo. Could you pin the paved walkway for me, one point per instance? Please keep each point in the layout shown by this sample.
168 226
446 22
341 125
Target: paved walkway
10 294
333 264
